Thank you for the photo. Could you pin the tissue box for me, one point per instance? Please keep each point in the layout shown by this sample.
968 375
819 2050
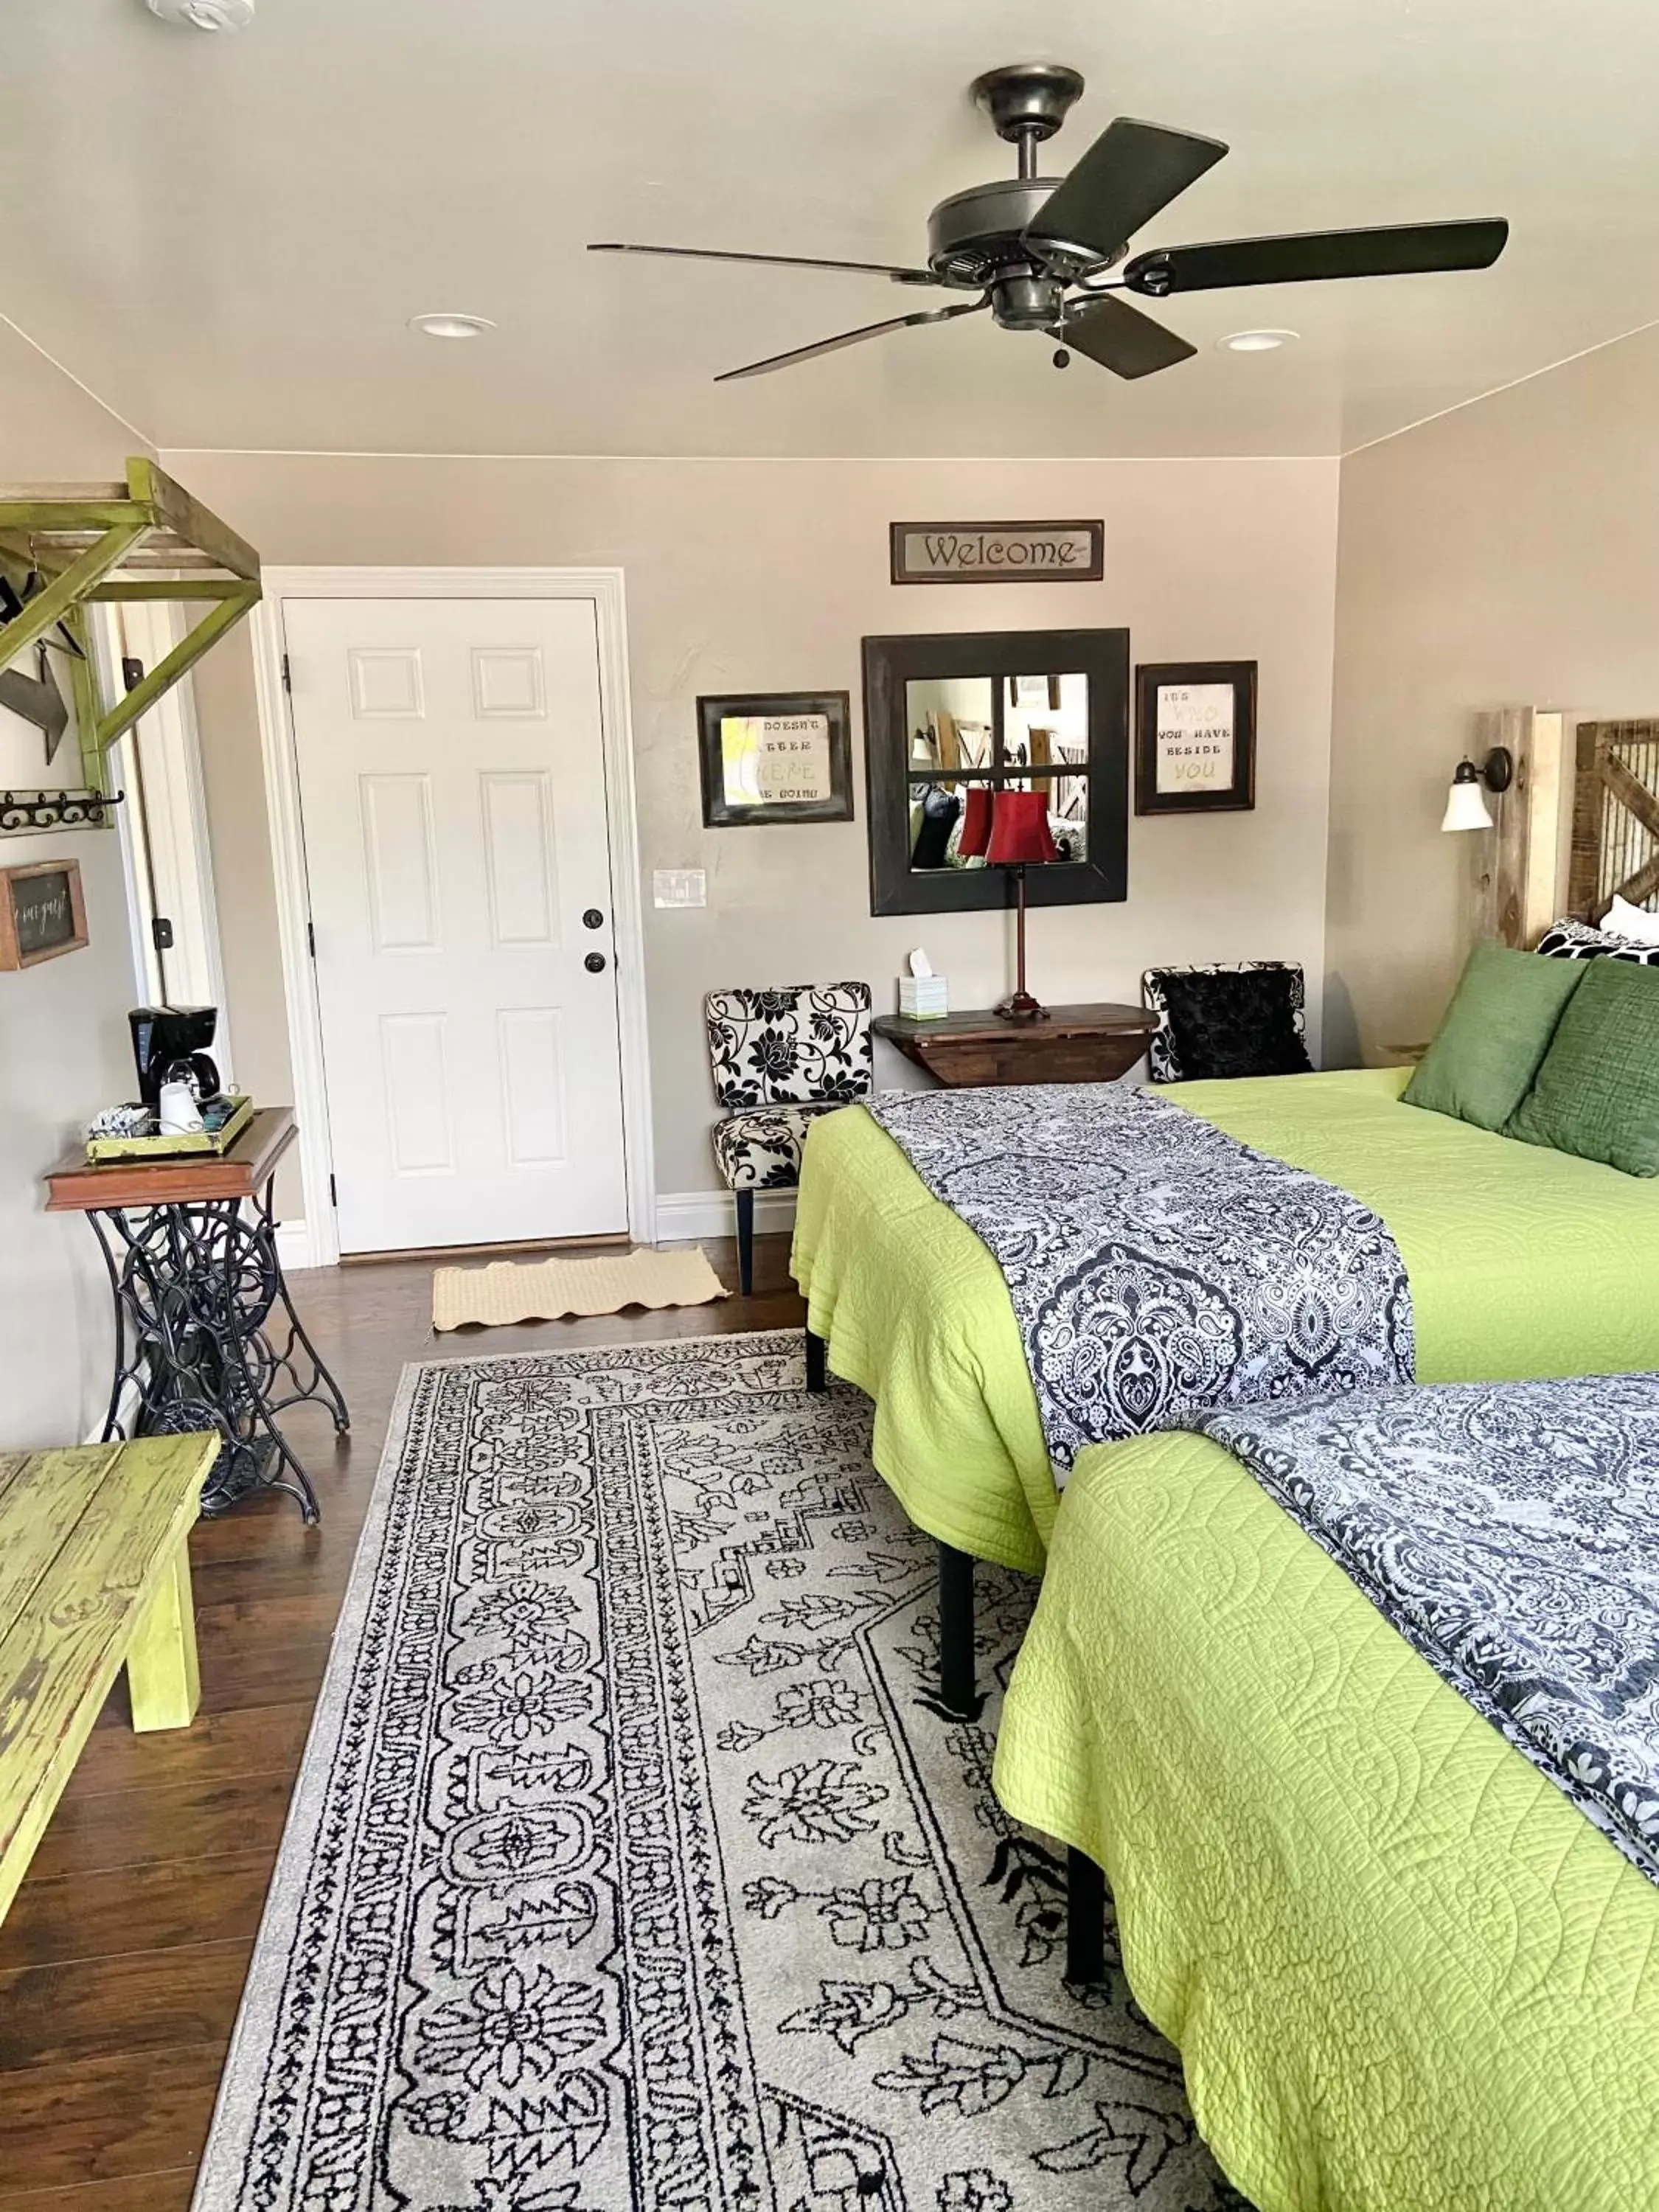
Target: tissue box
924 998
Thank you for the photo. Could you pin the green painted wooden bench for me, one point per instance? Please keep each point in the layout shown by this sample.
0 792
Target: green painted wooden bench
94 1574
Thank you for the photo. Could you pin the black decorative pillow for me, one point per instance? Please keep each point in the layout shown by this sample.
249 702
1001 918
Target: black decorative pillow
1577 940
1242 1022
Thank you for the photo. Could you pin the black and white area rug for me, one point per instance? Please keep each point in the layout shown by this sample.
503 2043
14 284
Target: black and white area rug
632 1866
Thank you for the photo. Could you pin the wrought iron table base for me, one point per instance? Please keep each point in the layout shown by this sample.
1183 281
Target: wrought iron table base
205 1330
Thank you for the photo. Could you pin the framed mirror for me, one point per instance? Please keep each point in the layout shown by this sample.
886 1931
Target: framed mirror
952 721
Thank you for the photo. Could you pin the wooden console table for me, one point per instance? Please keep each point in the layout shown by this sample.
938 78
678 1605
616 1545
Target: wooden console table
1076 1044
204 1329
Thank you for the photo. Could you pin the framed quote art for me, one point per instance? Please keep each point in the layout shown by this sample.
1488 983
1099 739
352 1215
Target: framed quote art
781 756
1195 737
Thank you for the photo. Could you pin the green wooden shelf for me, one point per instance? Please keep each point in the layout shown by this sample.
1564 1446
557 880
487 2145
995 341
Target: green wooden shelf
143 539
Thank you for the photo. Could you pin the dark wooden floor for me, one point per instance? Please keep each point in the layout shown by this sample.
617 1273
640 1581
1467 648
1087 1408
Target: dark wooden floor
122 1956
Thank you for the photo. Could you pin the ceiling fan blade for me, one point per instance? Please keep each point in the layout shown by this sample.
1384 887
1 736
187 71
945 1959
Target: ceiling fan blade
1120 338
851 337
775 260
1404 250
1131 172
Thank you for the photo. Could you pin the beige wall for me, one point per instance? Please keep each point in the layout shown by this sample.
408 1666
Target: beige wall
1504 554
759 576
63 1050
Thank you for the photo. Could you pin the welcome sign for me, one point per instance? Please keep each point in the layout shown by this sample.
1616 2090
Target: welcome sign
999 552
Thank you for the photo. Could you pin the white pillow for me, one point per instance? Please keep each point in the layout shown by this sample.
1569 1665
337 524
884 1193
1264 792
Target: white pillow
1633 923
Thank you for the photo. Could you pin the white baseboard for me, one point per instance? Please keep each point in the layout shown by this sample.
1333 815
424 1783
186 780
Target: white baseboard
682 1216
293 1245
685 1215
126 1411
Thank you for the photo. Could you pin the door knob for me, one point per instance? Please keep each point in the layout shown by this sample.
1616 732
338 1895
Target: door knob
592 919
594 963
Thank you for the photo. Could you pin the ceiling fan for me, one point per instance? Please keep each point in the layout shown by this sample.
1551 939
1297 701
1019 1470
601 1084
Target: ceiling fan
1047 253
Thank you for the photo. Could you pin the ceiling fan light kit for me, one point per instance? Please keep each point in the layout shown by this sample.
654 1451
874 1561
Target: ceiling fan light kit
1051 254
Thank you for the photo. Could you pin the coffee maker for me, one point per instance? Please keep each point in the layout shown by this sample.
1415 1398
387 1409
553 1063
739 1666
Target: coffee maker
164 1036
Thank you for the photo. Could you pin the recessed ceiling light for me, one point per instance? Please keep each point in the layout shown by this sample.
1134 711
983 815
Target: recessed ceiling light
205 14
450 326
1257 341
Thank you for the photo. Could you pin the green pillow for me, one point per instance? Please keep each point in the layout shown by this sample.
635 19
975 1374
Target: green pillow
1495 1034
1598 1092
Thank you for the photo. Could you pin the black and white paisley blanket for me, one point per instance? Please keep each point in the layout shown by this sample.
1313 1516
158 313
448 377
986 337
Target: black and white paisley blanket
1157 1267
1510 1531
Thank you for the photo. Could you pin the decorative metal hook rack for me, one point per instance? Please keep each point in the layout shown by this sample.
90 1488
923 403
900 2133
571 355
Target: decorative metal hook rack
143 539
22 811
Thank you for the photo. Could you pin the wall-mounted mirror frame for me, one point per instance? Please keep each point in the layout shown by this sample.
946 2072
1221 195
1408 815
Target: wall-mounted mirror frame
892 664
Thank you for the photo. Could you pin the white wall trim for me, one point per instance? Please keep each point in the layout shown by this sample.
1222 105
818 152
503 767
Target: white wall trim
127 1408
604 586
101 632
175 799
293 1245
683 1215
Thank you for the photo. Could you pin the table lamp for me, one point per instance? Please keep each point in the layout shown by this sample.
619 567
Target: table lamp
1016 837
975 823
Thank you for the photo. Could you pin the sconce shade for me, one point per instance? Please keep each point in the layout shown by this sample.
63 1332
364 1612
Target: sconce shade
1466 803
976 822
1019 830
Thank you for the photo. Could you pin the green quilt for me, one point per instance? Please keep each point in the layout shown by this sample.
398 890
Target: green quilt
1522 1262
1405 1973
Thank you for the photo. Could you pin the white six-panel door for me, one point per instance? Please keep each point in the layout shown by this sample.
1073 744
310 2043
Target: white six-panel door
452 786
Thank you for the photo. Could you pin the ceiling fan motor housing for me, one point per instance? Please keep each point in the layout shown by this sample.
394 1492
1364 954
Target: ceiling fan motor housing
976 242
975 238
973 235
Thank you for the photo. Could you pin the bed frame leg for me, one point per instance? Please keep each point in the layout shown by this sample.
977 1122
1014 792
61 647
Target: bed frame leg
955 1633
818 1370
1086 1919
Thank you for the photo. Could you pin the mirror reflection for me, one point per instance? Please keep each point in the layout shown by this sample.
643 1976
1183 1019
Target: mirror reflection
974 738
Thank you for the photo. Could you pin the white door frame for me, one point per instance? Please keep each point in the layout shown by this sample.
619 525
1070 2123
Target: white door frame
180 852
320 1246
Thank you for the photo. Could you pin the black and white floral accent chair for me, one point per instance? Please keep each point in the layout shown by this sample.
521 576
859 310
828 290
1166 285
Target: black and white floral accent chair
1232 1019
780 1059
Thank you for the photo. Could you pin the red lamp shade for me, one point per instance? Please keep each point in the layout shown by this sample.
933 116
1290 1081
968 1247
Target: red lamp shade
1019 830
976 822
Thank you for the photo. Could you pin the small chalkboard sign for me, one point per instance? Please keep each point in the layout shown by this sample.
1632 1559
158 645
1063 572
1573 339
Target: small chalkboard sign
42 913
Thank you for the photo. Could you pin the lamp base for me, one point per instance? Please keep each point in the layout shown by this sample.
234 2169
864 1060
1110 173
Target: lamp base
1020 1007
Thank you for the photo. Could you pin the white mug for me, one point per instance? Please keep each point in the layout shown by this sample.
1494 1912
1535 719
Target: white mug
177 1113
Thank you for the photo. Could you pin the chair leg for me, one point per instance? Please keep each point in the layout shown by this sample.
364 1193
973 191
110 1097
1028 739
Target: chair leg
1086 1918
746 1205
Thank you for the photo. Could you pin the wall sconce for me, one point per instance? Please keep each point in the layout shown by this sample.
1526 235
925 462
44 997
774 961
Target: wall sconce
1466 806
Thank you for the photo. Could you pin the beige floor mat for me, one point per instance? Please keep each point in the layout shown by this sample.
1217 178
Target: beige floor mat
546 1290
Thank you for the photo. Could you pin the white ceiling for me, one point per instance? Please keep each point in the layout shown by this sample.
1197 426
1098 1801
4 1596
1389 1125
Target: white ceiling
225 236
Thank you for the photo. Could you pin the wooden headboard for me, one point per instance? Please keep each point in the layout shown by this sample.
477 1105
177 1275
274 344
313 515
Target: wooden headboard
1615 816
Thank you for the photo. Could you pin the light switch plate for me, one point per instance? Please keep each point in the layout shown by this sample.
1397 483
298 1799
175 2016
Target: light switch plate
679 886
